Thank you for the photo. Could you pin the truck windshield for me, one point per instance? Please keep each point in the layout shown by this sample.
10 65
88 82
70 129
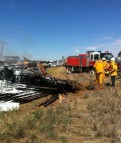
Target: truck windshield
108 56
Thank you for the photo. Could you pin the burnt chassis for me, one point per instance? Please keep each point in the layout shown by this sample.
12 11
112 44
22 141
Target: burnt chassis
32 77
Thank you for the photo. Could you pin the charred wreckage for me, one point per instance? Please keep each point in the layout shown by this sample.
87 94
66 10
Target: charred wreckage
27 81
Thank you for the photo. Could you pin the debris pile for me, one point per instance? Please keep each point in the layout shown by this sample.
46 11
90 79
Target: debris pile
27 81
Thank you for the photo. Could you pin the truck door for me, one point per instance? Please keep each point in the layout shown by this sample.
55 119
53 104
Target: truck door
93 57
96 57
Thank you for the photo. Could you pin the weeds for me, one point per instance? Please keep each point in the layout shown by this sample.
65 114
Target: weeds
53 119
63 139
105 109
39 122
38 114
33 139
14 130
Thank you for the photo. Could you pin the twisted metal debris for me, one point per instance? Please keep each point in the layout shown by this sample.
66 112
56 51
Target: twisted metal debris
28 81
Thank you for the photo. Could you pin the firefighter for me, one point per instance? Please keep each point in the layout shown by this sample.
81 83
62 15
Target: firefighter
105 66
113 71
99 71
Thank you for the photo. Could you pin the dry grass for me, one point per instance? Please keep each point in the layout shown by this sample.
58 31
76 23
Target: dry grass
105 111
41 125
84 117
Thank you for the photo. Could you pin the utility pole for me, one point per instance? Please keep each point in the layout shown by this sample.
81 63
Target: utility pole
2 49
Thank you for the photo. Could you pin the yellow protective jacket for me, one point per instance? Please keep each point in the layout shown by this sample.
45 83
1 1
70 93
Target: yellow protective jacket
114 69
105 65
99 66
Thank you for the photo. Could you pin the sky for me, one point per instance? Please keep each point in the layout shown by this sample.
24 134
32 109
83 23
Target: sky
50 29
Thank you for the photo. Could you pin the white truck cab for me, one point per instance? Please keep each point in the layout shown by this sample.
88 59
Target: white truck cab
96 55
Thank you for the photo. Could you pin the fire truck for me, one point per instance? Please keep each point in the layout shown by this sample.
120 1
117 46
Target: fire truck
86 61
118 60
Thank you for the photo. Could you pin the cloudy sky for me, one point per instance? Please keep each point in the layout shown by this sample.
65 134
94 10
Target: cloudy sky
50 29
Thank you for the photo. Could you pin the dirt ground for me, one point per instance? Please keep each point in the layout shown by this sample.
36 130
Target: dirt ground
84 79
79 131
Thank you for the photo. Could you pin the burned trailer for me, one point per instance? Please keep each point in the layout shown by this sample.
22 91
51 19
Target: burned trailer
34 83
41 82
32 77
7 73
